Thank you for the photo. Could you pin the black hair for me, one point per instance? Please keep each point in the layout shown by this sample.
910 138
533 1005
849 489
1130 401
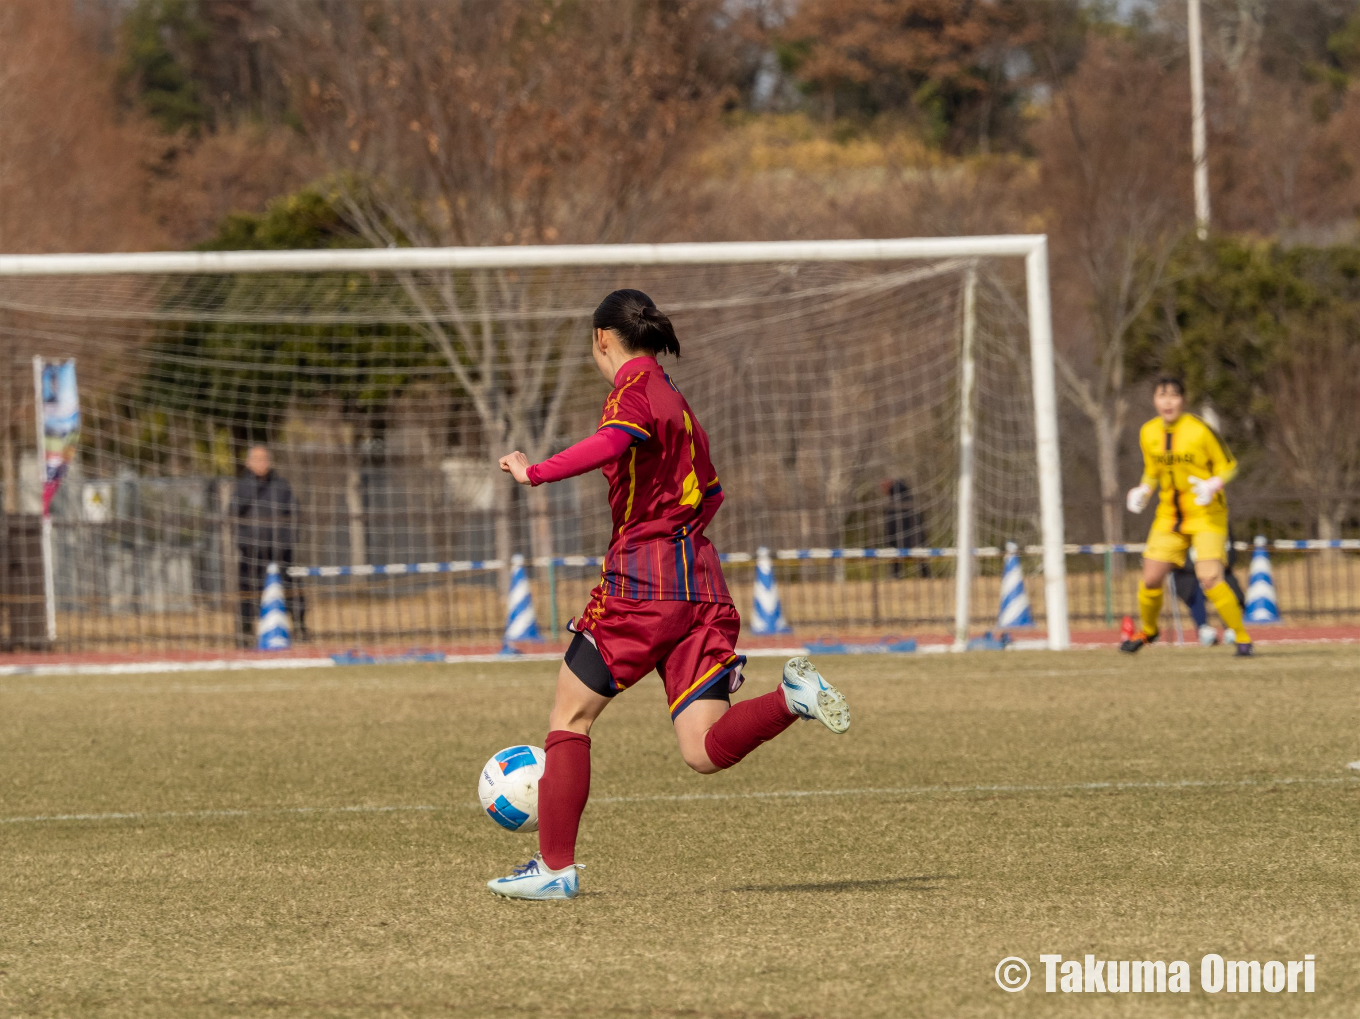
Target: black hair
634 316
1169 380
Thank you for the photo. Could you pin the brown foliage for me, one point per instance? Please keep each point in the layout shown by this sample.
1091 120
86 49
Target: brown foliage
508 122
886 52
1114 178
196 183
71 175
1289 163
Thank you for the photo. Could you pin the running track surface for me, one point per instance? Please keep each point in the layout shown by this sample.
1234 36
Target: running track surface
51 661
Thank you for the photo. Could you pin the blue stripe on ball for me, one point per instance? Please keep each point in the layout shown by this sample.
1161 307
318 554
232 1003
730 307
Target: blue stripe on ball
513 759
506 814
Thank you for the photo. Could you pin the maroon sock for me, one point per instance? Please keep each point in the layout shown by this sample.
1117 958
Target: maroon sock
562 794
747 725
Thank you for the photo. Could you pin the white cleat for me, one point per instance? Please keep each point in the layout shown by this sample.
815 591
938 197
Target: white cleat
536 880
808 695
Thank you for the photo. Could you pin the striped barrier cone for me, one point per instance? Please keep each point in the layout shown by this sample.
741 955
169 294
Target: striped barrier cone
1261 604
1014 601
520 621
768 618
273 630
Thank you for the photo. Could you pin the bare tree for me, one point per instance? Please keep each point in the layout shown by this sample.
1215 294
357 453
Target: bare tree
1114 169
470 123
1315 392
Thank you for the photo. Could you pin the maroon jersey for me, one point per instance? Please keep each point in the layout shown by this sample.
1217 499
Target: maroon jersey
662 493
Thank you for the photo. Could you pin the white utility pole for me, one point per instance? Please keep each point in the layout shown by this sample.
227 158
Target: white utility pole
1197 123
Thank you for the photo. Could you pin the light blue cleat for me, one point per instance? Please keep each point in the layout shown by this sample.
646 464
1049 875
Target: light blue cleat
536 880
808 695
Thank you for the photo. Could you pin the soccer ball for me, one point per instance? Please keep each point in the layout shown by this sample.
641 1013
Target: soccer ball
508 787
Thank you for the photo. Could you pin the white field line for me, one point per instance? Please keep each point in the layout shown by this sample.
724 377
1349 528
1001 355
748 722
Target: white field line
783 794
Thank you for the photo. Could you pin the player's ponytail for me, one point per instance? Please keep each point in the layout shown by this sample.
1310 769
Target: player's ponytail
638 322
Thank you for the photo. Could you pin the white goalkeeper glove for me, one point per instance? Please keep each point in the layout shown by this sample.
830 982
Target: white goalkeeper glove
1205 489
1138 498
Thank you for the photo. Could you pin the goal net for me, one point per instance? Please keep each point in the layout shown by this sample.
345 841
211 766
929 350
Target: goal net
865 401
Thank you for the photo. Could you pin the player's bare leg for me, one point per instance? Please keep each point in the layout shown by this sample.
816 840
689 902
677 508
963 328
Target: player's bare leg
1151 590
552 873
1210 573
714 736
692 727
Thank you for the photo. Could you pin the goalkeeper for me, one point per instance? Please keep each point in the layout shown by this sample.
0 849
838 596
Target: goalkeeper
1187 465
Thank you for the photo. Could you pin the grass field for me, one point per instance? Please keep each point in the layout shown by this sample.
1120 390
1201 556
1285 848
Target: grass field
308 843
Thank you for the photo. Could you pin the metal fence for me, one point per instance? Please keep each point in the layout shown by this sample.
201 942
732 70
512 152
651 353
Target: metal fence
166 584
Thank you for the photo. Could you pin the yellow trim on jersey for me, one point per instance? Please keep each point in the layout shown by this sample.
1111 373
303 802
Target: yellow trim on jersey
632 484
684 560
689 488
702 680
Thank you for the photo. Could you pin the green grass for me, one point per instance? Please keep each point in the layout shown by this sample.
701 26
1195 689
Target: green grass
887 903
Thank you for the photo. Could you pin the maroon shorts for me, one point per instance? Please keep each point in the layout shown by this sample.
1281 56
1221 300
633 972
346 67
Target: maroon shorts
690 644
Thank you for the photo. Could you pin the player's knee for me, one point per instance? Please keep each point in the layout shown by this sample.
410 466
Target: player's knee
1154 575
1209 572
697 758
693 751
571 717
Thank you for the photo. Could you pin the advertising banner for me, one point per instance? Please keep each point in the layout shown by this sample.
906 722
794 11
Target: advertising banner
60 422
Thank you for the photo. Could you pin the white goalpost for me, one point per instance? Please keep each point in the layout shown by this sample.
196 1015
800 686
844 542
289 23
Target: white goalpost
234 336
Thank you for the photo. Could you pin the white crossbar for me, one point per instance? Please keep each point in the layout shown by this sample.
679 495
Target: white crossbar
513 256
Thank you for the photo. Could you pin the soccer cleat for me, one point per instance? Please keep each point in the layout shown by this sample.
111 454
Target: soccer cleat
1133 644
808 695
1242 650
1208 636
536 880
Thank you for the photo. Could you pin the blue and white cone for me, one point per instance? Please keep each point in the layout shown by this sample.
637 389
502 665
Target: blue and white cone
768 618
1014 601
273 629
520 621
1261 604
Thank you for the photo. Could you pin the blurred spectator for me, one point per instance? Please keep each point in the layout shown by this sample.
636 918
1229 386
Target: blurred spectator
265 514
903 527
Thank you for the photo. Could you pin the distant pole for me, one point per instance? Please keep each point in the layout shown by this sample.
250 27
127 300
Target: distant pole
49 570
1197 122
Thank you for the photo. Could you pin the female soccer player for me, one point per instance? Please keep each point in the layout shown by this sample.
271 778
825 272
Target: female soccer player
1185 460
661 603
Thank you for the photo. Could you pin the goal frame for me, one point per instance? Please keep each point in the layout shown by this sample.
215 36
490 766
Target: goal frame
1033 248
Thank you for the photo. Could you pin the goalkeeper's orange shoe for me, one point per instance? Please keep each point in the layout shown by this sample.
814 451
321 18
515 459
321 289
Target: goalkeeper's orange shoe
1133 641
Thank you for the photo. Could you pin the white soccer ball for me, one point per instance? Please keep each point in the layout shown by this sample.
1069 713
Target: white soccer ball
508 787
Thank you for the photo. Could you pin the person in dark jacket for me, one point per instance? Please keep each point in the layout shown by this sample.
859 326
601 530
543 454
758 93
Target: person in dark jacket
903 527
265 515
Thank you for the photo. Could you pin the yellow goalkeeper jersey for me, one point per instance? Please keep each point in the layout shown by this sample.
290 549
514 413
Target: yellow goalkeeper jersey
1175 453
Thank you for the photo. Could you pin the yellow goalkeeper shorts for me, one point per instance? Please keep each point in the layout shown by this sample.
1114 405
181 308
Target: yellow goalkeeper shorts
1167 546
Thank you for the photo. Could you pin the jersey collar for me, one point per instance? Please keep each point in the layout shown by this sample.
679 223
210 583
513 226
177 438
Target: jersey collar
643 363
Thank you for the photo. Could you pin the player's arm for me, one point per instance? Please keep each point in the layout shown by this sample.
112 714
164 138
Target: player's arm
592 453
1221 463
1140 494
